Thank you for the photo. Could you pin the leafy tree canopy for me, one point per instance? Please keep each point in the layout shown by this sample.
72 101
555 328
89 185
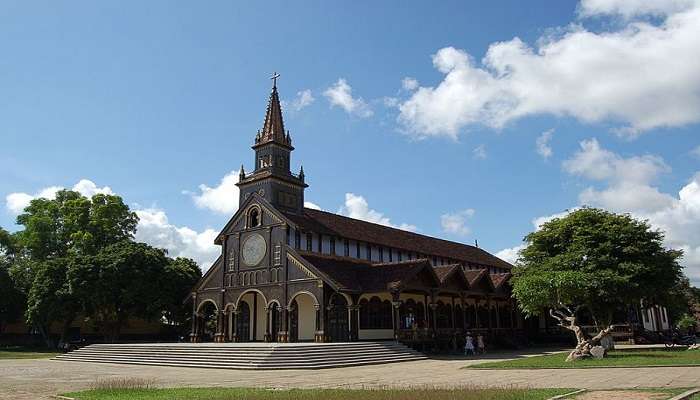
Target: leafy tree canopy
72 222
596 260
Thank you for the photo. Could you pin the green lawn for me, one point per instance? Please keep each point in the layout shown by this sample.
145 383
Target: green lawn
14 352
623 358
315 394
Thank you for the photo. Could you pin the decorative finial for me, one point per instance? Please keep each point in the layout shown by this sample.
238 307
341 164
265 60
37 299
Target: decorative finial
241 175
301 173
274 77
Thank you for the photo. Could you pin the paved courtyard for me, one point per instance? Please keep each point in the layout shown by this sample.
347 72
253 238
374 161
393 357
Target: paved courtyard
39 379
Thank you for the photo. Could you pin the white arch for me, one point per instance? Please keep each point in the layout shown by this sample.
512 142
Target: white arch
199 307
348 299
238 300
303 292
274 301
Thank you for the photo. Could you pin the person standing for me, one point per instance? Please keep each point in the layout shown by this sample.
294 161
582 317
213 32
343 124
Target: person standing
469 345
481 347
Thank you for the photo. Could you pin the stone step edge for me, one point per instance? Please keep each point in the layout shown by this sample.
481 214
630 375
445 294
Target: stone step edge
257 355
243 361
282 367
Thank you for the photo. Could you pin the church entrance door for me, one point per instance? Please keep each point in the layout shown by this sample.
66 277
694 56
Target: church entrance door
338 319
243 322
294 322
274 322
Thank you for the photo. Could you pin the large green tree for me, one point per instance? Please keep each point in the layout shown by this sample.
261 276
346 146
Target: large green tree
596 261
181 274
125 280
59 233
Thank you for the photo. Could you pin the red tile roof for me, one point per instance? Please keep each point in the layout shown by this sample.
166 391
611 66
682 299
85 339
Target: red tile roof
355 229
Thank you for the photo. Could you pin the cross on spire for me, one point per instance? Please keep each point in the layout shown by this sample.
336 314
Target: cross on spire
274 77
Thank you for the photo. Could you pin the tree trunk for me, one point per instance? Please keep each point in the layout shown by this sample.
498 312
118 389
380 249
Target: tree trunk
66 329
567 319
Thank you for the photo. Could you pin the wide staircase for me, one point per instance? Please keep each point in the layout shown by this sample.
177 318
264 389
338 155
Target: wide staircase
247 355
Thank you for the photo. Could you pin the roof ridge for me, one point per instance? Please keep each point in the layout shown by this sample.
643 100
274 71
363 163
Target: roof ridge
411 261
398 229
333 256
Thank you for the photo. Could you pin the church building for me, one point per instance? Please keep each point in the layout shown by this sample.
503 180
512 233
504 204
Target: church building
288 273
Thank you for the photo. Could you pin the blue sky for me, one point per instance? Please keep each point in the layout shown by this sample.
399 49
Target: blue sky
463 120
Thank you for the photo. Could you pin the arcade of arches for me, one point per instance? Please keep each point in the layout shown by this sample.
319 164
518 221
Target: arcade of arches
450 303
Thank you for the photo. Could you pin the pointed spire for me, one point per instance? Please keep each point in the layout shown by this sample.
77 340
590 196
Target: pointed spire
273 127
241 174
301 173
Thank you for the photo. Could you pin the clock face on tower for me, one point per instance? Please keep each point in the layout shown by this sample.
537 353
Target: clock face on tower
254 248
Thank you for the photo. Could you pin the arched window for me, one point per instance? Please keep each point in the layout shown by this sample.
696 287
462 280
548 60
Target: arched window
254 217
443 315
420 316
375 314
459 317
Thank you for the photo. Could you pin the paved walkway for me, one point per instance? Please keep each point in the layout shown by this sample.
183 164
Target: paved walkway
39 379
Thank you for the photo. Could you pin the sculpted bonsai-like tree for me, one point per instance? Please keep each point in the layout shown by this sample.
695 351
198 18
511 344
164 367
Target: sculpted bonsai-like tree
594 261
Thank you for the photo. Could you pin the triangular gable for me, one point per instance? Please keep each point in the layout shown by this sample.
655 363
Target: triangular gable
422 276
455 279
307 269
482 282
207 281
264 204
501 282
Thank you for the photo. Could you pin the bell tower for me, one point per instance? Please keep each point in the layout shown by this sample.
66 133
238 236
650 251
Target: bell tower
272 177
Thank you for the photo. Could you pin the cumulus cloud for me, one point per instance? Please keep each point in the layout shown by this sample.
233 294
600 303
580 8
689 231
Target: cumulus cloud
633 8
356 206
409 83
304 99
456 223
479 152
222 198
312 206
628 187
628 179
638 77
511 254
180 241
18 201
542 143
340 94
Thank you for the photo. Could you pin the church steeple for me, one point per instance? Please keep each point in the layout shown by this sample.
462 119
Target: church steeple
273 127
272 177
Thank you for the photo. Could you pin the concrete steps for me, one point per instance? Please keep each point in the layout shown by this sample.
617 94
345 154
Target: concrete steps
247 355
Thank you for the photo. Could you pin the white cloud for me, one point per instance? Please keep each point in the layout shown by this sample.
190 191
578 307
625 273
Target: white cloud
18 201
479 152
180 241
222 199
304 99
409 83
628 179
633 8
542 142
511 254
340 94
639 77
628 188
456 223
357 207
539 221
312 206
